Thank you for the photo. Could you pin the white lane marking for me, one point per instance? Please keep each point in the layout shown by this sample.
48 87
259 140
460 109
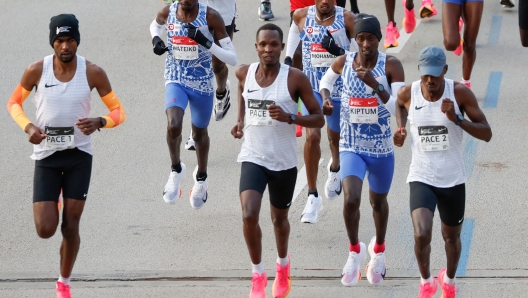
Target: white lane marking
301 181
404 37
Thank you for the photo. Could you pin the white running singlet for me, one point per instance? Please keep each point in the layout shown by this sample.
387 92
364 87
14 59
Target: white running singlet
436 142
267 142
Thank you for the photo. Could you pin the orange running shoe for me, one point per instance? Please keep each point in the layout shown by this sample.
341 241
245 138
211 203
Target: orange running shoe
458 51
258 285
59 203
409 21
428 291
448 291
427 10
283 282
63 291
391 36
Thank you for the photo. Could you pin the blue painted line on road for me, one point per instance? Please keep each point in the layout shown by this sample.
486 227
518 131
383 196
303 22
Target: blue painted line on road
466 237
470 153
496 23
492 92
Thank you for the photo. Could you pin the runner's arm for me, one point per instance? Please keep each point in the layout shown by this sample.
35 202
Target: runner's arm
299 82
226 51
349 24
326 86
402 105
237 130
294 35
477 125
396 79
29 80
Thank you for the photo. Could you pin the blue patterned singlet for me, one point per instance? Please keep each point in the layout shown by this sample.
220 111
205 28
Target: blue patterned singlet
197 72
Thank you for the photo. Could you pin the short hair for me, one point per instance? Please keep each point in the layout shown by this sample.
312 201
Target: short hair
271 26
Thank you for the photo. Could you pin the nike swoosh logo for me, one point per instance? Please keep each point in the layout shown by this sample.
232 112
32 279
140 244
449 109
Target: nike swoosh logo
417 108
164 192
249 91
47 86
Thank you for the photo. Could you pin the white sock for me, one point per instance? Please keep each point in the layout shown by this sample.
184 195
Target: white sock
465 81
257 268
283 261
430 280
448 280
64 280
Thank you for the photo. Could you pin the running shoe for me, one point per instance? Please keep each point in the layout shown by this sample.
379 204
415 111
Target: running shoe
258 285
448 291
62 290
282 284
376 267
198 194
428 291
391 36
409 20
60 202
507 3
333 183
190 145
351 273
427 10
466 83
458 51
172 190
310 214
264 11
222 105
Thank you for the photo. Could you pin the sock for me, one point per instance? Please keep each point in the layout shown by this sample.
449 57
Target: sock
336 170
257 268
313 192
465 81
64 280
355 247
177 168
201 176
221 95
379 247
429 280
448 280
283 261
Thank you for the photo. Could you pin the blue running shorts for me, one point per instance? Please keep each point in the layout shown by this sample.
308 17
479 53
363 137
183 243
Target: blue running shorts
177 95
380 170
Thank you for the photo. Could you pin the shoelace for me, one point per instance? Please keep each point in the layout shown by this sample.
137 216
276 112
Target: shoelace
425 290
309 208
256 283
283 275
390 28
350 265
334 183
199 190
63 290
266 7
378 264
450 290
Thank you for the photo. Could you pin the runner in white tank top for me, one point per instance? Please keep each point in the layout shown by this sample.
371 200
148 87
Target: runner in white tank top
435 108
61 135
268 94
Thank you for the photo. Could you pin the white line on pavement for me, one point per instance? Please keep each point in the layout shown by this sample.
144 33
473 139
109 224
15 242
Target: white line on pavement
301 181
404 37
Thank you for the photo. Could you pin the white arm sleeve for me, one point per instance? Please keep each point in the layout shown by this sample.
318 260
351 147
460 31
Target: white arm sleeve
328 80
226 52
293 40
155 29
391 103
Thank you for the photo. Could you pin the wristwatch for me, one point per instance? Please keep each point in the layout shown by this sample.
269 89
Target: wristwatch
460 118
293 117
102 121
379 89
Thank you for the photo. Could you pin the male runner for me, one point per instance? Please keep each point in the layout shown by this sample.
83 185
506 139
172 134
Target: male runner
189 80
435 108
61 135
458 14
264 11
365 143
326 33
427 10
268 93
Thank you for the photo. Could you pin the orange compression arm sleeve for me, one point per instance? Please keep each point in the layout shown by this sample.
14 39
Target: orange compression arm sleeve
14 106
117 113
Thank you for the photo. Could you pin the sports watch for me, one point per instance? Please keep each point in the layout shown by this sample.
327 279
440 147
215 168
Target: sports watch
293 117
379 89
460 118
102 121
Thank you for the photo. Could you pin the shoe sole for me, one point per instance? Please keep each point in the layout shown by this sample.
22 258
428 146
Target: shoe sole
316 219
173 201
425 12
273 290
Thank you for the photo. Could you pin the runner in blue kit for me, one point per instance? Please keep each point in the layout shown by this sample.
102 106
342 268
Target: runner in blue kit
365 139
189 80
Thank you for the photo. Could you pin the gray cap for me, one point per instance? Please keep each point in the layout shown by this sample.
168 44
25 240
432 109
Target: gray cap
432 61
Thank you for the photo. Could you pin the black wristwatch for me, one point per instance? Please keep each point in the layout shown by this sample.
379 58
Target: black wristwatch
379 89
102 121
293 117
460 118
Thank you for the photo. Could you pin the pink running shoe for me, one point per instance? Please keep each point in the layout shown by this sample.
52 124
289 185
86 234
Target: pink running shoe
282 284
427 10
458 51
428 291
448 291
258 285
391 36
63 291
409 21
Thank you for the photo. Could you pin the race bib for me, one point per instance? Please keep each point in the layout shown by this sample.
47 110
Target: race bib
258 112
320 56
433 138
363 110
184 48
59 138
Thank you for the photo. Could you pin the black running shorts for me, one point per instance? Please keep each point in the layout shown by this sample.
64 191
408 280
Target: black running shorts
69 170
281 184
523 14
451 201
231 27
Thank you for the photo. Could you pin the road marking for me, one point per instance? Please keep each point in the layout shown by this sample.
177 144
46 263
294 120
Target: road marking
470 153
301 181
404 37
492 92
496 22
466 236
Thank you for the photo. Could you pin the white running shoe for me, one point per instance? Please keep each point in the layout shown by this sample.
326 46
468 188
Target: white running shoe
314 205
198 194
190 145
333 183
351 273
221 106
172 190
376 267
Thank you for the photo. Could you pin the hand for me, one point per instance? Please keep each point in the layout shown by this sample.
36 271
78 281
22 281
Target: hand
237 130
36 135
328 107
88 125
194 33
328 43
159 46
288 61
448 108
399 136
366 76
278 113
